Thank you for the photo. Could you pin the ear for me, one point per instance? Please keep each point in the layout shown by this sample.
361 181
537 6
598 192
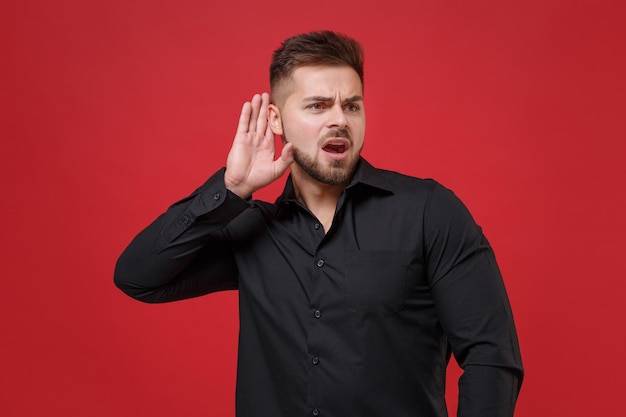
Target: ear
274 118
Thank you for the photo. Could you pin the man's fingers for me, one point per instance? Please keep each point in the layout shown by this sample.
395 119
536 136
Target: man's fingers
253 127
261 121
256 107
244 118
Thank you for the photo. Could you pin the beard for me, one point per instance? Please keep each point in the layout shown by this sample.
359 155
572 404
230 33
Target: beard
333 172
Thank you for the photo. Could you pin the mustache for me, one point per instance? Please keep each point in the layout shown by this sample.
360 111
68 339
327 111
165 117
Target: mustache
337 133
334 133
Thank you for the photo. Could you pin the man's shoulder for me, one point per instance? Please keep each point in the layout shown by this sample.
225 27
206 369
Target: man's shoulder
395 181
400 176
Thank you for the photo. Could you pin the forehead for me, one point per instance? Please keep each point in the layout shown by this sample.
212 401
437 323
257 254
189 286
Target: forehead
326 81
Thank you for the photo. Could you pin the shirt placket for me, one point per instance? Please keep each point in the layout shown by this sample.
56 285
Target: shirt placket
315 342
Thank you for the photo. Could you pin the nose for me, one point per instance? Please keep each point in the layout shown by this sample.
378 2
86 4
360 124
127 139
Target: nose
337 117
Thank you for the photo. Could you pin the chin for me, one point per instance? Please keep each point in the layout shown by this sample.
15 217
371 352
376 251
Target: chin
334 172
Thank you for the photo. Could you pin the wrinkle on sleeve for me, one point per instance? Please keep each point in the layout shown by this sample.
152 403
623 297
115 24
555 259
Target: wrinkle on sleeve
473 307
185 252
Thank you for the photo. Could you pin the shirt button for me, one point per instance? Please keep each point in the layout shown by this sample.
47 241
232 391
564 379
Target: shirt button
317 314
320 263
317 226
315 412
315 361
216 196
185 220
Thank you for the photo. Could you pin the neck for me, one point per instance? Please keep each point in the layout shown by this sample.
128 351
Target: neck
321 199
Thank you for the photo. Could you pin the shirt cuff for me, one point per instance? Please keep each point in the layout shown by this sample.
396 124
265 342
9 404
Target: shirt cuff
211 207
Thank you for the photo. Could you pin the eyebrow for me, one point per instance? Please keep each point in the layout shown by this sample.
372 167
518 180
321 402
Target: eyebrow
352 99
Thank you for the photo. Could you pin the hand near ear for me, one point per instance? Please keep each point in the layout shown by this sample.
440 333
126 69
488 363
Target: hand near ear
250 164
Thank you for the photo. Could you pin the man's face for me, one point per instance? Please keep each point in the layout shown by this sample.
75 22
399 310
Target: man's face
322 115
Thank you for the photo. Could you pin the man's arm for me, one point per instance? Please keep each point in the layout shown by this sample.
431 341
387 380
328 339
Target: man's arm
184 253
473 308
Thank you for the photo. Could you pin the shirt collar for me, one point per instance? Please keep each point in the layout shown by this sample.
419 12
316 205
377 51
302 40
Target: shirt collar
365 174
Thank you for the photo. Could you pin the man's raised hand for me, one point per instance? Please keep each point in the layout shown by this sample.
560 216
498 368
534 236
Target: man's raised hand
250 164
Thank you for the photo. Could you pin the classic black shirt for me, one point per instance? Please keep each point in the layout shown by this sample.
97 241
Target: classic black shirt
356 322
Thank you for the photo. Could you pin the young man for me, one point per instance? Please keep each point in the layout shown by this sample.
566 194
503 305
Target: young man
357 284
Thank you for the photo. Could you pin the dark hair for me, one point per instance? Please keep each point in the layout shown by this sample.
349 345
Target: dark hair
315 48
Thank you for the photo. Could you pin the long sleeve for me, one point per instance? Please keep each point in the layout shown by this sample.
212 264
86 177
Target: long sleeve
183 253
473 307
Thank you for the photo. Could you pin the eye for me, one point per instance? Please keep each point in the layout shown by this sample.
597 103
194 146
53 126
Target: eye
316 106
352 107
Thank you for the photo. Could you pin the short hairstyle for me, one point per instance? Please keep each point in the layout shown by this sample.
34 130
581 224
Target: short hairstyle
314 48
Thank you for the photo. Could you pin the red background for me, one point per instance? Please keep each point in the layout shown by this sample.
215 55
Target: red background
111 110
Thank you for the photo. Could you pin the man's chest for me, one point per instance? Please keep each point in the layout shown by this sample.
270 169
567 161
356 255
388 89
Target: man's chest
369 263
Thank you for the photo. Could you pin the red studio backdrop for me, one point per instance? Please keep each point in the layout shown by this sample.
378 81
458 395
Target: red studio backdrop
111 110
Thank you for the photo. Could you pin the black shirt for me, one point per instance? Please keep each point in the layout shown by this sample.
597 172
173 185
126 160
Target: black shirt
356 322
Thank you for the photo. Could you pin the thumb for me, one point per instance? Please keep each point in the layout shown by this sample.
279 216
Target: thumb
285 159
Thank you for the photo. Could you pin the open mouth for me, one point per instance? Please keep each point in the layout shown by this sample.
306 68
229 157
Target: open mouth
335 147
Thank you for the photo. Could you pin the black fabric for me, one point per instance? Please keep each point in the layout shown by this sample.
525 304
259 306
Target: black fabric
357 322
